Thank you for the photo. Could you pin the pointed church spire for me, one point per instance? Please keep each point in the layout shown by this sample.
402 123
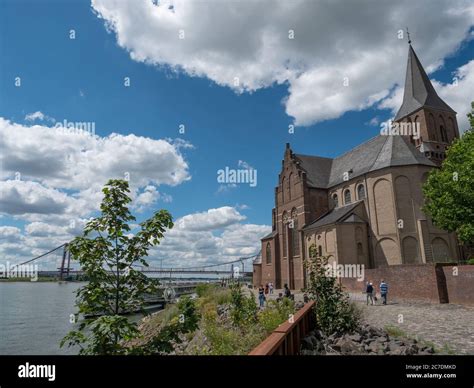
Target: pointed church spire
419 92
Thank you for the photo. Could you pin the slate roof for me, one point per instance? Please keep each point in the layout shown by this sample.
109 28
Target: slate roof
258 259
375 154
335 215
317 169
419 91
269 235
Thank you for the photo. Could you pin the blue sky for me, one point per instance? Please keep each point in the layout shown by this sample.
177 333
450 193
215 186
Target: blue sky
82 79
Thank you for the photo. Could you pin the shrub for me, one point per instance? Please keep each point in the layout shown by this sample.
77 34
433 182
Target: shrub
244 309
334 312
275 314
471 261
205 289
188 314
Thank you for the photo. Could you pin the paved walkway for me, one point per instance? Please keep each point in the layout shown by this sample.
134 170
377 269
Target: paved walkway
447 325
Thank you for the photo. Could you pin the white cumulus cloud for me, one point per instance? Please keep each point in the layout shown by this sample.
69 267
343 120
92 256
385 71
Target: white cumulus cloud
343 56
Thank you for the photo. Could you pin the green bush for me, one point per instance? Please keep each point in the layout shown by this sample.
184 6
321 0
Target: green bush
205 289
188 314
225 340
244 309
471 261
275 314
334 312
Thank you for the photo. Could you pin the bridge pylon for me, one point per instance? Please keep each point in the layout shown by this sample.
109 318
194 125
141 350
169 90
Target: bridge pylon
64 270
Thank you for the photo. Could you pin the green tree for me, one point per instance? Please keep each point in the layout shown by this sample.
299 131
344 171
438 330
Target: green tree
449 191
243 309
470 116
334 311
108 252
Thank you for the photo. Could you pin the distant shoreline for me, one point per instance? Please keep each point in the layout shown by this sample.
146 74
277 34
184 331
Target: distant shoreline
28 280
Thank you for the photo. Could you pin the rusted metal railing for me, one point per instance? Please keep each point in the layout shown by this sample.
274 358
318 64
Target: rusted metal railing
286 338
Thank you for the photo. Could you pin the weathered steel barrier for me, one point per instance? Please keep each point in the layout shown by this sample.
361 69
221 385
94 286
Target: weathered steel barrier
286 338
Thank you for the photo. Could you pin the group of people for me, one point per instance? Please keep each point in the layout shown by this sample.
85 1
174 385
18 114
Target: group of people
268 289
372 293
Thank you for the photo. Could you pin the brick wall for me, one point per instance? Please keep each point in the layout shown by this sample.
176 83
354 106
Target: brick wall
436 283
417 281
460 285
257 275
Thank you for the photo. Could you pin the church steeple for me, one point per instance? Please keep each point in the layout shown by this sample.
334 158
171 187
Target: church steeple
422 106
419 92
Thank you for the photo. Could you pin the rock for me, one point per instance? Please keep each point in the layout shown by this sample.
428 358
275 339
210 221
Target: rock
400 351
347 346
299 305
355 337
374 347
427 350
320 335
309 342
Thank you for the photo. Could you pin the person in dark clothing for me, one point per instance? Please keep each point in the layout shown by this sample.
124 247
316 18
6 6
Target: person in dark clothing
261 296
287 291
369 290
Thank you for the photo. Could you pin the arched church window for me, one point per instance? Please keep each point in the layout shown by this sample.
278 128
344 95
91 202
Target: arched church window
451 129
320 250
360 249
432 128
335 200
268 253
444 135
442 129
361 191
347 196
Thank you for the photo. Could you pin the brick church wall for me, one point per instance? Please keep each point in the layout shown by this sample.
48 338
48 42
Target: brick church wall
257 275
435 283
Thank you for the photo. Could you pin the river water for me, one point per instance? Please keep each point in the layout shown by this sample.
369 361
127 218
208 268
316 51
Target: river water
34 317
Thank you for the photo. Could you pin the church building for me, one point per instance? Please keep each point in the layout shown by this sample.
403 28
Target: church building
365 206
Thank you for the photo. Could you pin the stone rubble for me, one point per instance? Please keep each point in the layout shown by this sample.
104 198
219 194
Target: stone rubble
366 340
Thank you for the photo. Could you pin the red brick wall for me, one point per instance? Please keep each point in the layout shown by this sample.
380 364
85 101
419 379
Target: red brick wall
461 286
426 282
417 281
257 275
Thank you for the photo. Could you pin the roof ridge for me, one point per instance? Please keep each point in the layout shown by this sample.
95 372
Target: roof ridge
380 151
314 156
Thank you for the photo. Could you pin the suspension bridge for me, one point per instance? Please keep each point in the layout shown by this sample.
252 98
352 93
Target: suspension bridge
59 262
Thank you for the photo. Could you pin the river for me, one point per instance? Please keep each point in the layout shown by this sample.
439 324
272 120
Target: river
34 317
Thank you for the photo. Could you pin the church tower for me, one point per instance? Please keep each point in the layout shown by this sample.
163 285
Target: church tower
435 119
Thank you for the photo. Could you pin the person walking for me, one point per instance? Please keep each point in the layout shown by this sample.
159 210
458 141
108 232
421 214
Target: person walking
261 296
383 291
369 290
267 289
270 285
